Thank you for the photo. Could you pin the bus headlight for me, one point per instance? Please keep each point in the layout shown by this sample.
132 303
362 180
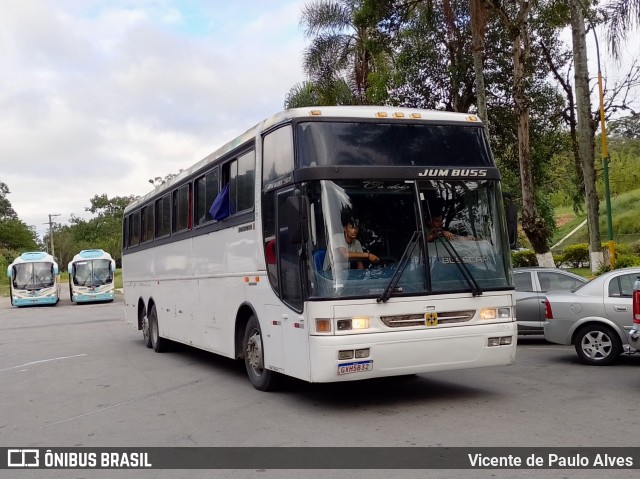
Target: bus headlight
495 313
357 322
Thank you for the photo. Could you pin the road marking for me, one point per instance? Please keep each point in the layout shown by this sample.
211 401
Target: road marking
88 413
43 361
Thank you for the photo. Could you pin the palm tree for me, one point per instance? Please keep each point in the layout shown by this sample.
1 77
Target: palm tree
622 15
341 46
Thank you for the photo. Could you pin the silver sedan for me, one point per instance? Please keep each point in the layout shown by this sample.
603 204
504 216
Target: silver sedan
531 285
596 317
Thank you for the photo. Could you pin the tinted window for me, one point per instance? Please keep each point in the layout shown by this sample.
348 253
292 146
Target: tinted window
134 229
522 281
241 183
147 224
181 209
163 216
277 154
206 192
397 144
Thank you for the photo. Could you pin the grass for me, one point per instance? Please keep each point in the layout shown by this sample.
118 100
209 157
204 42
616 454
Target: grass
625 220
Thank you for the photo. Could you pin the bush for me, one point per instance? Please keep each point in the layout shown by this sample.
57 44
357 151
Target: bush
559 260
576 255
522 258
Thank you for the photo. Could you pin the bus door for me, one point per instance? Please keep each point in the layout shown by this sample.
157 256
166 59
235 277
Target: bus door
295 341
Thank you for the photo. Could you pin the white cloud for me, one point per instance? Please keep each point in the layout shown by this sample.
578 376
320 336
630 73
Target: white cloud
103 95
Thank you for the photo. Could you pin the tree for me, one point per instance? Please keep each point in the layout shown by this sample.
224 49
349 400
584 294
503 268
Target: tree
6 211
623 15
516 22
344 46
585 130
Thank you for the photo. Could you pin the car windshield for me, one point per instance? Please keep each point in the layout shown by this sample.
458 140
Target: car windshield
364 231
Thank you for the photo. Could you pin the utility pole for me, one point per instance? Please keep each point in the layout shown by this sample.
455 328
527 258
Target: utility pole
51 223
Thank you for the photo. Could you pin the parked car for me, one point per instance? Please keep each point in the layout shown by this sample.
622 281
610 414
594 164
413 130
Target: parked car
634 334
531 285
596 317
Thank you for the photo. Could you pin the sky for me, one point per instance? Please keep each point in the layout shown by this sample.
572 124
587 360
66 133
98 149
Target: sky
100 96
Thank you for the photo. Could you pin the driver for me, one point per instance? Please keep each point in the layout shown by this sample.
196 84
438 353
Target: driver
347 248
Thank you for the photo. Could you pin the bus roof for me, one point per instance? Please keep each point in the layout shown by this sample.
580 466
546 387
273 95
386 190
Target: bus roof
33 257
91 254
360 111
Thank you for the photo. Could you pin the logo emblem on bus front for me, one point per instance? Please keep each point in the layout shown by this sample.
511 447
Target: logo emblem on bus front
431 319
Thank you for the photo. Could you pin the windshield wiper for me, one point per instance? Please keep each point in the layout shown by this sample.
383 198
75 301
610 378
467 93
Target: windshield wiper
402 264
464 269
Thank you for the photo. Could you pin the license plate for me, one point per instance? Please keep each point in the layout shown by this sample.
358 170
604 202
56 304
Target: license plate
356 367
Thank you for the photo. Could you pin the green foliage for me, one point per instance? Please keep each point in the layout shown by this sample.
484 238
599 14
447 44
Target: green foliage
522 258
576 255
559 260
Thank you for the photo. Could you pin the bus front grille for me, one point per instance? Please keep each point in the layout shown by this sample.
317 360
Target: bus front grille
418 319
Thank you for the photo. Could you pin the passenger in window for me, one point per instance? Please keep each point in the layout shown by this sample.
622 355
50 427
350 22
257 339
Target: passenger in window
435 228
347 248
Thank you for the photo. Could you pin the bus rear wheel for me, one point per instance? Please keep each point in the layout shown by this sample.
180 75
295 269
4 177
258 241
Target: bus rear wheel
260 377
158 343
146 335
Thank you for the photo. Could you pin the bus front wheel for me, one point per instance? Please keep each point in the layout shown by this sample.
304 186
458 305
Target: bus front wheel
260 377
158 343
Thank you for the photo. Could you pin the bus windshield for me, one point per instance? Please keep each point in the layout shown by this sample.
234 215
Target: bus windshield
92 272
33 276
362 230
324 143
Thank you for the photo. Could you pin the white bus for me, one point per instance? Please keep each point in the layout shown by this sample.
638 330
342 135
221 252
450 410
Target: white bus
242 253
91 276
34 279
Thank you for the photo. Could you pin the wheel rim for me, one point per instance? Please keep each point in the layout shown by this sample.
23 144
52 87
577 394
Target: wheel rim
254 352
596 345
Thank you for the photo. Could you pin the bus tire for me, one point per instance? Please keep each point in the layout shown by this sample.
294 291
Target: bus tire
158 343
70 293
253 349
146 335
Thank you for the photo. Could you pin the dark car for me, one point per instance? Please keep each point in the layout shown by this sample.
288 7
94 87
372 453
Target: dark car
531 285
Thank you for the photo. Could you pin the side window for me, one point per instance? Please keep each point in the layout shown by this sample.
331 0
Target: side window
241 183
181 209
557 281
134 229
206 192
125 233
614 288
147 224
163 216
626 284
522 281
277 154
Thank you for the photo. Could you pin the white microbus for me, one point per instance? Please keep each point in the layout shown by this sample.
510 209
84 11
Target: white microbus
34 279
251 252
91 276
